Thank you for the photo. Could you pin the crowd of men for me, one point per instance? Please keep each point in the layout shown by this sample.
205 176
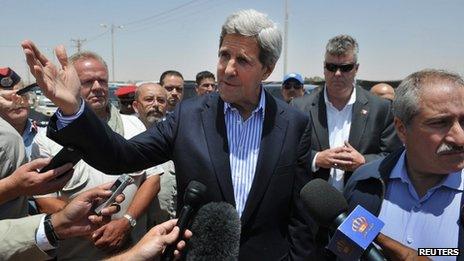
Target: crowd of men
399 153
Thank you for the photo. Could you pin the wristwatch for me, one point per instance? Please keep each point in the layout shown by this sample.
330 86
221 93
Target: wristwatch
132 220
50 231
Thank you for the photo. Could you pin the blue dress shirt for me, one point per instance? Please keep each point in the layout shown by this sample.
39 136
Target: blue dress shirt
244 139
28 136
428 222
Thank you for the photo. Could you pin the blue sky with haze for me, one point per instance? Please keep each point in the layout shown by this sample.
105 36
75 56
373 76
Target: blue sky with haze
396 37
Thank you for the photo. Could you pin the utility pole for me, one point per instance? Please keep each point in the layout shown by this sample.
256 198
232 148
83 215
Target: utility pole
285 36
79 43
112 28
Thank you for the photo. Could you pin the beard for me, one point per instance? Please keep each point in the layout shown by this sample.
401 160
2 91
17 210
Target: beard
153 117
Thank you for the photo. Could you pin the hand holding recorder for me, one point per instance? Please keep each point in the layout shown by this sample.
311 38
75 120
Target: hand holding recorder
27 181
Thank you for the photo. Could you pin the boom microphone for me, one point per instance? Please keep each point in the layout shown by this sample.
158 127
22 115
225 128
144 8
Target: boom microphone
328 208
194 197
216 233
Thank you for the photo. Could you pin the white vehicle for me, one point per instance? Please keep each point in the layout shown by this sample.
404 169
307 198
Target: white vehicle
45 106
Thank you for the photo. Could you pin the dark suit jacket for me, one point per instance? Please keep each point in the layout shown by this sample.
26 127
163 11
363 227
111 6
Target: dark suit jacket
372 132
369 184
195 138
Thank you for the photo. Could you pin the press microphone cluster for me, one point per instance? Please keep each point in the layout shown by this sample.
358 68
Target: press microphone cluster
353 232
216 233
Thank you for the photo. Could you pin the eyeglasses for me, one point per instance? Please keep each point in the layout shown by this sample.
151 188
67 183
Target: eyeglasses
294 85
331 67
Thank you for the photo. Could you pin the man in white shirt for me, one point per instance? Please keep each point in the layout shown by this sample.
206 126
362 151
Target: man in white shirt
350 126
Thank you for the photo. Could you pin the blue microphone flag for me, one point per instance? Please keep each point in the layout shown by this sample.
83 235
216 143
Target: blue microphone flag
355 234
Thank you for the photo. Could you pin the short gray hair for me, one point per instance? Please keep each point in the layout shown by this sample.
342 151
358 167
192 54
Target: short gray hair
87 55
406 104
342 45
253 23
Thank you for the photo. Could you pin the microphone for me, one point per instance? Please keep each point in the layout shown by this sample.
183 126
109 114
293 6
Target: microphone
328 208
194 197
216 233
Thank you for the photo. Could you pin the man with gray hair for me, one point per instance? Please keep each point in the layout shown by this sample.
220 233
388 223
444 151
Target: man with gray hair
417 190
150 103
350 126
241 143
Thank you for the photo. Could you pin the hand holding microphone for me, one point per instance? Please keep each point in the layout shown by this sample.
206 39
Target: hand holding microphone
154 242
396 251
194 197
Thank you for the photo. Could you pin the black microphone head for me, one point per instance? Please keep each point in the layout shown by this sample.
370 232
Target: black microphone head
325 203
195 194
216 233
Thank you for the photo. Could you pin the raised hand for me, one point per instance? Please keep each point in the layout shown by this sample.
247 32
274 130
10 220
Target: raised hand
60 85
9 99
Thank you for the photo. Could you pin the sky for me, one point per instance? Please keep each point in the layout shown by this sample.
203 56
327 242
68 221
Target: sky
396 37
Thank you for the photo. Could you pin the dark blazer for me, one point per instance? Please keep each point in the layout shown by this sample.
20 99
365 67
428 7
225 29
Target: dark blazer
369 184
195 138
372 132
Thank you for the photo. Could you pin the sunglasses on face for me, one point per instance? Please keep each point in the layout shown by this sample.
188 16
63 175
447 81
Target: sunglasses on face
331 67
294 85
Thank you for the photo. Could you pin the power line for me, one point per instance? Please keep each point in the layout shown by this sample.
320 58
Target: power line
95 37
79 43
160 13
178 17
158 18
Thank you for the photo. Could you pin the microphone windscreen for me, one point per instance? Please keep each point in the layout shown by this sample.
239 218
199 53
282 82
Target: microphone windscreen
216 233
323 201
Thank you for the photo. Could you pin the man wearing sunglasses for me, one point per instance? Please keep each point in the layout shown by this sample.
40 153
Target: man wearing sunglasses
350 126
18 116
292 86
